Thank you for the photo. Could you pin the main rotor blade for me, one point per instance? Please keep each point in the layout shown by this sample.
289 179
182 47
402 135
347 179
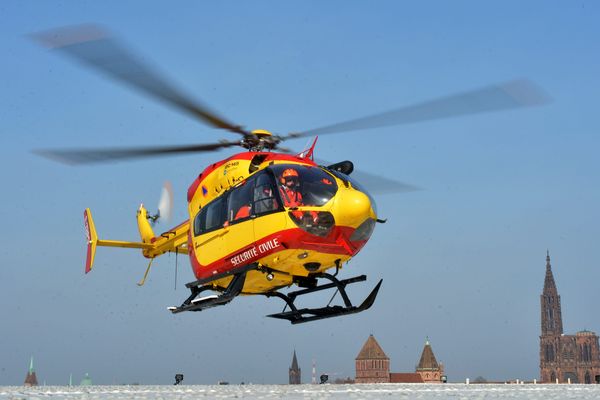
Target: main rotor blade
376 183
505 96
90 156
93 47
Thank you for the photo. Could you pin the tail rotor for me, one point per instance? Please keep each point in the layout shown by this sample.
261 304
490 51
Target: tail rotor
165 204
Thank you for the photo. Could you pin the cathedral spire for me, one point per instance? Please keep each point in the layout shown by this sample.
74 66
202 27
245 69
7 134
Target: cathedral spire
551 310
549 284
295 371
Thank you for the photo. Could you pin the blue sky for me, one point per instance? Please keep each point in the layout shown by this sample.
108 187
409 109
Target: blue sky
462 260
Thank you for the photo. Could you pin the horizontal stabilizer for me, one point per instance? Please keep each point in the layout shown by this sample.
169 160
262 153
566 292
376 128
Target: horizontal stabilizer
93 241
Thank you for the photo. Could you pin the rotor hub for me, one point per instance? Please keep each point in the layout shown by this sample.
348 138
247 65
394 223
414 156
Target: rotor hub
260 140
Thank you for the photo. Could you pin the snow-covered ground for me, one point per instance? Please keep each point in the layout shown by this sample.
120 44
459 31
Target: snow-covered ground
375 391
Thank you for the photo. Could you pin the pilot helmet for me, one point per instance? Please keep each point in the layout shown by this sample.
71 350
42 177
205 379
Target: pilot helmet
289 173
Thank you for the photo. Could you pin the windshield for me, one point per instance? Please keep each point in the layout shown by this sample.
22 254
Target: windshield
302 185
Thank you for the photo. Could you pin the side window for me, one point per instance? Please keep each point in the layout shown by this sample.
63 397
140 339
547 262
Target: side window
215 217
239 202
265 198
198 222
212 216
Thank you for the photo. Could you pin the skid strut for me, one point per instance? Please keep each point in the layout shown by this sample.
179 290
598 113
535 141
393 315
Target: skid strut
298 316
294 315
193 303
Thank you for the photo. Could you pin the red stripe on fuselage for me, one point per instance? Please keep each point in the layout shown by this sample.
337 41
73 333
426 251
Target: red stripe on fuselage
88 259
337 242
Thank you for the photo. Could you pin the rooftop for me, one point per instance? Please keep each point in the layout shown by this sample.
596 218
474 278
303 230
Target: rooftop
371 350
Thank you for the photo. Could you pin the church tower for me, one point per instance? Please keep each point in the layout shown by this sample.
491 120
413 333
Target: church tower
550 339
428 368
564 358
31 379
551 312
372 365
295 372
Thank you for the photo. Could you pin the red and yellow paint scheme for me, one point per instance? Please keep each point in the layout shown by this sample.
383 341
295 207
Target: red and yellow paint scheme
252 229
240 222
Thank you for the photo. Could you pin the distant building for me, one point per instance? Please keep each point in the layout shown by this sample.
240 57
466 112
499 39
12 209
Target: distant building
31 379
373 366
344 381
86 381
428 368
564 358
295 371
405 377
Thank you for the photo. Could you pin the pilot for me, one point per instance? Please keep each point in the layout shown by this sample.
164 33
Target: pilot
292 197
290 182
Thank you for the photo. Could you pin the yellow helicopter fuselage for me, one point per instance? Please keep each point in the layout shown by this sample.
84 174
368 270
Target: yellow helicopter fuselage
333 223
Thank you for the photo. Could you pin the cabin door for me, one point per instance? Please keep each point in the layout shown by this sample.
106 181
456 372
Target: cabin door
269 215
239 226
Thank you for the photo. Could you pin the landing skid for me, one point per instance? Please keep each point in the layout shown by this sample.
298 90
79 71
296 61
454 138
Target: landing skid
299 316
294 315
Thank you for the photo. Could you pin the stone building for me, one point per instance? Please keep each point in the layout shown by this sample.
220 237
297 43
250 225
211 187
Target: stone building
295 372
564 358
405 377
373 366
430 370
31 378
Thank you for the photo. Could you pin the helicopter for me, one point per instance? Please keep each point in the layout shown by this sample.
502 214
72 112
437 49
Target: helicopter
244 234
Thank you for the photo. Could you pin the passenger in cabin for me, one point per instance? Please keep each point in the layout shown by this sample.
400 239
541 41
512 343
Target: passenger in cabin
239 202
264 201
243 212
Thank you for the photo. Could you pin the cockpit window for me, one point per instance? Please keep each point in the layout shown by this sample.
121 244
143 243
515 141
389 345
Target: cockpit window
297 185
254 197
302 185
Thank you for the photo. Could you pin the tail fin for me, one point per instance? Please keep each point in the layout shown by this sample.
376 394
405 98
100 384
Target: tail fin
92 237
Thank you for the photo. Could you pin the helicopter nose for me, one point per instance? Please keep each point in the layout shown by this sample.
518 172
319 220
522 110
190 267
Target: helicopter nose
352 208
